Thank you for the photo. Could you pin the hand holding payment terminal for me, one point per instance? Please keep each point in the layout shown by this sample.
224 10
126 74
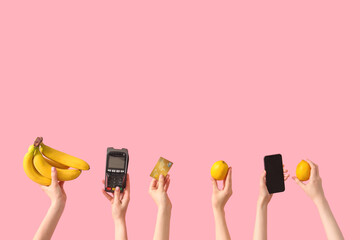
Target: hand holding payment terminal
117 161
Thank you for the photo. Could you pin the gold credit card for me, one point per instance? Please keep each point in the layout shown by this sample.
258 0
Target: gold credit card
162 167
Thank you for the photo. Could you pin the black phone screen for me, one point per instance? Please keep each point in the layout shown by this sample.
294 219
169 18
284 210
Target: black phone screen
274 173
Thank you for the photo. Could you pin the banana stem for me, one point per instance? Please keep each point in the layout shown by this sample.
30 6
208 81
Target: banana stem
38 141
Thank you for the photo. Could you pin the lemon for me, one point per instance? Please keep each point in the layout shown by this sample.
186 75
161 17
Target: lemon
219 170
303 171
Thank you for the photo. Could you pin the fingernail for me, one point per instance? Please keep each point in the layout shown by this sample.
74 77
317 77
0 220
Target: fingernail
53 169
161 176
117 188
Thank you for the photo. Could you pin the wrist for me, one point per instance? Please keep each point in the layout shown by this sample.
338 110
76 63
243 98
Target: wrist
165 208
58 204
218 210
164 213
320 200
218 207
262 202
119 220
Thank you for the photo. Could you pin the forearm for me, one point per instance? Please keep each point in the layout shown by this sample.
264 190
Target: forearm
120 229
331 227
48 225
260 230
221 229
162 227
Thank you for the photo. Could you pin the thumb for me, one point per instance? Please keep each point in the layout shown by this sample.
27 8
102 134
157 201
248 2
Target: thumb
301 184
161 182
54 177
117 194
228 180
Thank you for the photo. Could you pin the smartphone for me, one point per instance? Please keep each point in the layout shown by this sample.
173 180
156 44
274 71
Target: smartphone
274 173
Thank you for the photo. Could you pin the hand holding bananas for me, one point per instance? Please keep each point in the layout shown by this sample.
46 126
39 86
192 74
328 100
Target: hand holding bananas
40 158
57 196
55 191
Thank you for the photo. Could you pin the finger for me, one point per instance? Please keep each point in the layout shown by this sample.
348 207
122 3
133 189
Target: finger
312 164
313 171
117 194
286 177
103 181
161 181
301 184
167 185
54 178
122 194
228 180
153 184
167 179
263 178
316 167
107 195
127 188
215 186
61 184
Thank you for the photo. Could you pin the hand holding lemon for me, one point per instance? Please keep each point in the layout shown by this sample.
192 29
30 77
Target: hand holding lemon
310 171
221 171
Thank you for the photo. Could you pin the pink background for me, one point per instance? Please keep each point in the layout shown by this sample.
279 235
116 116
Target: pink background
194 82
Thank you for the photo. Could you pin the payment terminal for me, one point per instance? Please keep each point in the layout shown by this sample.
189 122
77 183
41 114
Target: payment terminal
117 161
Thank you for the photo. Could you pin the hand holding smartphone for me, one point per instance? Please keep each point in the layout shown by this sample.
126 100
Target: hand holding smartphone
274 173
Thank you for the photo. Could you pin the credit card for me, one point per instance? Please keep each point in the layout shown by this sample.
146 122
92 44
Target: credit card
162 167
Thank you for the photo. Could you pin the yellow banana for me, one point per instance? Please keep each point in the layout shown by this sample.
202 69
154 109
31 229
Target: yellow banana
53 163
56 164
44 168
30 170
63 158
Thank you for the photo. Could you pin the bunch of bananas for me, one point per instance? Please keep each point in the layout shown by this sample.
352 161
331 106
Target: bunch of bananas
40 158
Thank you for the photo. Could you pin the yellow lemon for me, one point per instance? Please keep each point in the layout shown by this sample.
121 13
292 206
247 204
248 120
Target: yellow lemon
303 171
219 170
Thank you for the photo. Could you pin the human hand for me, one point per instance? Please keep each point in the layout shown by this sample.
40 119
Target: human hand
314 187
221 196
119 201
264 195
158 192
57 195
55 190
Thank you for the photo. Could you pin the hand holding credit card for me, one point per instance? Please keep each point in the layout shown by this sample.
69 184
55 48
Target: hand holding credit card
162 167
